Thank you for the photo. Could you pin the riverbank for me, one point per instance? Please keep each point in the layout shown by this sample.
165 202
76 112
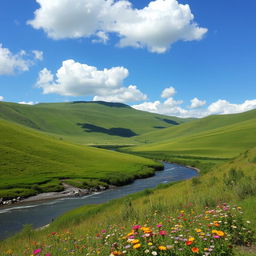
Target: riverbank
40 213
72 191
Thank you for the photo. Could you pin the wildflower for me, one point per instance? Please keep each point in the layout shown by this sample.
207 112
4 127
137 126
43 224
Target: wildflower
195 250
47 254
146 251
162 248
135 241
136 227
116 253
154 253
198 230
162 233
220 233
159 225
136 246
150 244
189 243
37 251
191 238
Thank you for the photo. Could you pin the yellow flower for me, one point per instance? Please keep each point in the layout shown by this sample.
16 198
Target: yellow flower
162 248
214 231
131 233
191 239
198 230
220 233
150 244
9 252
136 246
135 241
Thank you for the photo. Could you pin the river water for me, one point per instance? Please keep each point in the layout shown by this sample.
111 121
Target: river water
38 214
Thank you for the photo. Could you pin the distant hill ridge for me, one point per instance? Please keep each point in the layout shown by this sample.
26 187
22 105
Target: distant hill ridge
106 122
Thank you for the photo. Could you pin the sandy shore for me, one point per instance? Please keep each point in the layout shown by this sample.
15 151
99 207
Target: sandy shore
69 191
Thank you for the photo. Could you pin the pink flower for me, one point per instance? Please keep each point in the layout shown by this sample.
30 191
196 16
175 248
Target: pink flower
37 251
103 231
216 236
136 227
159 225
162 233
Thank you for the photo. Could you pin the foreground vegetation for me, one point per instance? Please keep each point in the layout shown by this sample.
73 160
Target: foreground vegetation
211 204
32 162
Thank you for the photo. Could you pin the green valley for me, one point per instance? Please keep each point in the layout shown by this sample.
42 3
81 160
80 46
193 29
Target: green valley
32 162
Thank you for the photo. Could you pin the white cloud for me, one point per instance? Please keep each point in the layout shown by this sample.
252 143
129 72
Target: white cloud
11 63
1 98
172 107
168 92
225 107
27 102
196 103
76 79
156 26
38 54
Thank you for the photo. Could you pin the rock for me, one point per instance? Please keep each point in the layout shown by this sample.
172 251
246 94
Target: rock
1 200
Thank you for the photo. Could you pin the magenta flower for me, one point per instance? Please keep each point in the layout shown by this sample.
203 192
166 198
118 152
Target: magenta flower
136 227
37 251
159 225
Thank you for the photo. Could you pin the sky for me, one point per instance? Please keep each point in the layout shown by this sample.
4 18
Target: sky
187 58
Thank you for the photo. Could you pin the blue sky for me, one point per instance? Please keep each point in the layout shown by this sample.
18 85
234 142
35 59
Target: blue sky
212 62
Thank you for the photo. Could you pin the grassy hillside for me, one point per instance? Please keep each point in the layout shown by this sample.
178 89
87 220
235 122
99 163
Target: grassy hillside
88 122
32 162
213 137
193 201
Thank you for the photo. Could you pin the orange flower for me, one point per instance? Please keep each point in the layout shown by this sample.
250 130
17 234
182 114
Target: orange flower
195 250
135 241
189 242
220 233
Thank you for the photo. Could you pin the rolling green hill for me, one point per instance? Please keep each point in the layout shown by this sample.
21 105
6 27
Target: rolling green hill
32 162
222 136
88 122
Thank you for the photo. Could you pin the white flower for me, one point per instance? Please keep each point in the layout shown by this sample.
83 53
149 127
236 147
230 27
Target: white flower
147 251
154 253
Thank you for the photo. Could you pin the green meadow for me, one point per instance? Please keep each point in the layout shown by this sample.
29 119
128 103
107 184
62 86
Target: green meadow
232 183
44 145
32 162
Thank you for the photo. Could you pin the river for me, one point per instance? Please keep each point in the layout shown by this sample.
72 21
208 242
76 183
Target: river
12 218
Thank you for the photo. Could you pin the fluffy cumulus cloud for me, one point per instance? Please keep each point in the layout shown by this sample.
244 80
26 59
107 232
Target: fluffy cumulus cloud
76 79
225 107
156 26
168 92
174 107
196 103
11 63
1 98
